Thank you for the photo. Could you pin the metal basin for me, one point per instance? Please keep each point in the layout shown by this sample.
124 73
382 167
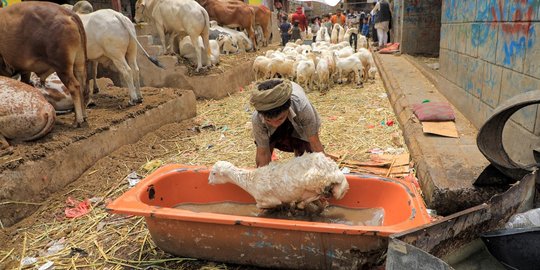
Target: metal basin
515 248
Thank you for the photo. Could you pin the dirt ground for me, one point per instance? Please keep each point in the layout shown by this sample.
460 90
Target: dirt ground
100 240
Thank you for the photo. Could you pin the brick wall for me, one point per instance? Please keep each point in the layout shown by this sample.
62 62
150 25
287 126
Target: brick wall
490 52
416 25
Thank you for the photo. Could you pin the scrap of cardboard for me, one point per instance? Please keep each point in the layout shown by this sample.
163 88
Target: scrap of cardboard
445 128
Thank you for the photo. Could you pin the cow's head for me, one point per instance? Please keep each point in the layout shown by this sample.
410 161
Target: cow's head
140 8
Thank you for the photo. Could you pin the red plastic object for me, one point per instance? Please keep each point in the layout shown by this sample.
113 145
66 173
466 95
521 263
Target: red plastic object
267 242
77 209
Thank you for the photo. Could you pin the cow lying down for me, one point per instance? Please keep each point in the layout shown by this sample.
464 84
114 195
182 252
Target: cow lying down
54 91
24 113
187 51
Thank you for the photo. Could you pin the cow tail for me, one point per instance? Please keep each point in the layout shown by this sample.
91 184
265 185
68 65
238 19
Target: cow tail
206 31
131 30
84 83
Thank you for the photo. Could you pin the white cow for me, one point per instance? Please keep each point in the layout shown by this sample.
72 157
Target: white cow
179 17
110 36
187 51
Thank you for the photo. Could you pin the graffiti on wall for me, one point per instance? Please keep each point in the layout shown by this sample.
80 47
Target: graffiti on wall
6 3
515 37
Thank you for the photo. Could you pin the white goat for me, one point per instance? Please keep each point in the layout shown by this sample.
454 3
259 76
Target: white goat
341 34
349 32
320 34
305 73
261 65
298 182
348 65
323 74
283 67
362 42
334 37
369 68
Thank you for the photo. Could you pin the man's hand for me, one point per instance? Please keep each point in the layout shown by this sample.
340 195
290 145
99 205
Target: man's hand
315 143
263 156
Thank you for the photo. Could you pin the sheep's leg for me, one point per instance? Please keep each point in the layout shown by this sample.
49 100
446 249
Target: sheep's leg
268 203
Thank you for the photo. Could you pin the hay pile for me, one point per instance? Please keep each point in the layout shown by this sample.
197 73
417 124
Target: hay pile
354 122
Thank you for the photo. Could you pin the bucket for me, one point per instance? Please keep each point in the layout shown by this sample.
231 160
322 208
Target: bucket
517 248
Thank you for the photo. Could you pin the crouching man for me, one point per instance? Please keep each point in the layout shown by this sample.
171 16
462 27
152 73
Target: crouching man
284 119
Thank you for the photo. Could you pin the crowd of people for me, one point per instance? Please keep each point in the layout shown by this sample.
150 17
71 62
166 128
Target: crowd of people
374 23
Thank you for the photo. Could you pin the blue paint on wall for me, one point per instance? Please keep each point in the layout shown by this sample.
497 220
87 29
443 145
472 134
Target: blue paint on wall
449 11
512 49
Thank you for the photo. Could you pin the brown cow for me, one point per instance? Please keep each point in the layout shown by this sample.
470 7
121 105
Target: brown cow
44 37
263 17
232 13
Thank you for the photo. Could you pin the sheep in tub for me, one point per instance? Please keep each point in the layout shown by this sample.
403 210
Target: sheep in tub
298 183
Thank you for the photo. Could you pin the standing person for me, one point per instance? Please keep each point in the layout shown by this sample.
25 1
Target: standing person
382 23
285 28
328 24
338 18
295 32
361 18
284 119
300 17
278 6
372 29
365 28
315 26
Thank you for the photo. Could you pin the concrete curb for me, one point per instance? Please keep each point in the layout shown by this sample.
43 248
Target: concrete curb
436 167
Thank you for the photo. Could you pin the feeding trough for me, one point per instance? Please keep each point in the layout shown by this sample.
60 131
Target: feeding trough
266 241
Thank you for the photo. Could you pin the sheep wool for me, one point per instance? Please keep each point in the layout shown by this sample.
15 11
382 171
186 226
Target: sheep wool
299 181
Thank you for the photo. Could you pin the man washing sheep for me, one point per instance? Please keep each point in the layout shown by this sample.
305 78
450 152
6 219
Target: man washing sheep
284 119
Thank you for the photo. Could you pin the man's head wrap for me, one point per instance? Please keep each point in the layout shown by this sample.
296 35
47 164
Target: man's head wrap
264 99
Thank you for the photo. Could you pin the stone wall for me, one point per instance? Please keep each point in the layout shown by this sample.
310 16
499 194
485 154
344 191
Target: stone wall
490 53
416 25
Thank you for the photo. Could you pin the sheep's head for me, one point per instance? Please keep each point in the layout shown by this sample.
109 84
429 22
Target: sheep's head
220 173
339 190
372 71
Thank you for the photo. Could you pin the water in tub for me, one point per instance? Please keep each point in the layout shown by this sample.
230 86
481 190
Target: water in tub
332 214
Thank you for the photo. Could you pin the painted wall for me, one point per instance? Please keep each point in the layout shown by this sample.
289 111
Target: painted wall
6 3
416 25
491 52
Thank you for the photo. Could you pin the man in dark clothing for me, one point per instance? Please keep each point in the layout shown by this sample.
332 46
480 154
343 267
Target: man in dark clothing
361 18
285 28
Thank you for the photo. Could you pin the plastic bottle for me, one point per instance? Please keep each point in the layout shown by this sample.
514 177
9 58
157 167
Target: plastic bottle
527 219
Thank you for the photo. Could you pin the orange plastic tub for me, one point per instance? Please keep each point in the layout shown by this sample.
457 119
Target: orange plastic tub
267 242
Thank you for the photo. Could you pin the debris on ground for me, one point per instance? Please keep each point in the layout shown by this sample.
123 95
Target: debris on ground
133 179
388 165
76 208
151 165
